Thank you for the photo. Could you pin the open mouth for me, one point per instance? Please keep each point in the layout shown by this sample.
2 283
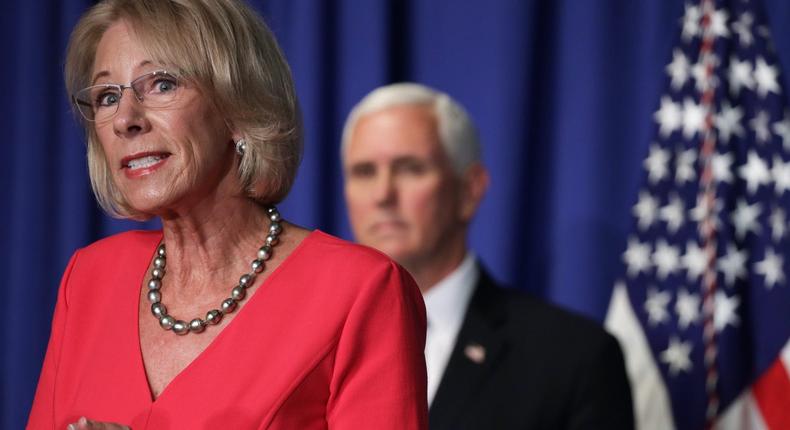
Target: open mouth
142 161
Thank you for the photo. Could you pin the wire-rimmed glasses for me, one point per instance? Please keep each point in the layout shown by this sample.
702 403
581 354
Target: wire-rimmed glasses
155 89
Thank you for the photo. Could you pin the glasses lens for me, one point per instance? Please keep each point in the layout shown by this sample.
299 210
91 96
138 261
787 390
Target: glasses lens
156 89
98 102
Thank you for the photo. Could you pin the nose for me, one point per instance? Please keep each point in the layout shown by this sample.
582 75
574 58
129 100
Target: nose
384 191
130 120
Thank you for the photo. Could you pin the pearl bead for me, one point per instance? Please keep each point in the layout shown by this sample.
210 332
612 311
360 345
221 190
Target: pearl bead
158 309
265 252
213 316
228 305
154 296
237 293
180 327
196 325
167 322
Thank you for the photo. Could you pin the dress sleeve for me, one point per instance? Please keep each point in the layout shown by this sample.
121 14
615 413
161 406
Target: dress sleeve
42 415
379 378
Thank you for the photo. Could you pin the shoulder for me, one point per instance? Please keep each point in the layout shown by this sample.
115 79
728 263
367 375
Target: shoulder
532 322
118 246
353 270
337 254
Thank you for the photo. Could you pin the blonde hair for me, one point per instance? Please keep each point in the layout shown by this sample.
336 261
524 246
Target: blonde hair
227 49
457 133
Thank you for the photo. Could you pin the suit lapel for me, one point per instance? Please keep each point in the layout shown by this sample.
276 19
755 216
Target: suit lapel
478 345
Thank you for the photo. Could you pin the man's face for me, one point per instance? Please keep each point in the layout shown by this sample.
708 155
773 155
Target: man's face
403 195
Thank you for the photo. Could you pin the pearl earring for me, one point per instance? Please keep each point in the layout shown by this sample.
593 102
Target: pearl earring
241 146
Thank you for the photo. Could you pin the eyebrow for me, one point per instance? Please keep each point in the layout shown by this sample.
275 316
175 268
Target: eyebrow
104 73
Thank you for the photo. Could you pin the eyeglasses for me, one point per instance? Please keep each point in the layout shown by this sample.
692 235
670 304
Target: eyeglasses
98 103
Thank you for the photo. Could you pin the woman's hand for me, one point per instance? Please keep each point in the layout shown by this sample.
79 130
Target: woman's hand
86 424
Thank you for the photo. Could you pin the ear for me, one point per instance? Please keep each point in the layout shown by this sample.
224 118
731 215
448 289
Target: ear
475 182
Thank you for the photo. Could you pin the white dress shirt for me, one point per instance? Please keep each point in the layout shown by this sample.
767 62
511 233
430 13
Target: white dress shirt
445 305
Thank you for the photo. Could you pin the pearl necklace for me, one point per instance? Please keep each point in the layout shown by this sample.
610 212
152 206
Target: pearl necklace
228 305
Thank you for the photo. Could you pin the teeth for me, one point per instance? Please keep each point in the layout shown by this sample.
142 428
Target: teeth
140 163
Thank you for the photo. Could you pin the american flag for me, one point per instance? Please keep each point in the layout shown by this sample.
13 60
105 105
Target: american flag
703 306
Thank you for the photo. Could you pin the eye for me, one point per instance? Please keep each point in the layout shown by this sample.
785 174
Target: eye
362 170
106 98
164 84
411 167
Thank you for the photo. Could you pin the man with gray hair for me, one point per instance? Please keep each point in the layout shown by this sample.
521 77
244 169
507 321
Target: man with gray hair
496 358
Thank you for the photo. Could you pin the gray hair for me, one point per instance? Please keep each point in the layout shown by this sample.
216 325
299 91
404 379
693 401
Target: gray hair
456 130
226 48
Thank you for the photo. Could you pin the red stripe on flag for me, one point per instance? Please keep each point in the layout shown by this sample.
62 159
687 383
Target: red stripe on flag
772 393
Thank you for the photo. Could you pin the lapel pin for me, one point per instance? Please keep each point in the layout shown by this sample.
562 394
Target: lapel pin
475 352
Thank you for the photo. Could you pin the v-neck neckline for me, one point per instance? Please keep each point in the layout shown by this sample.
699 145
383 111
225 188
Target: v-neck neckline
140 362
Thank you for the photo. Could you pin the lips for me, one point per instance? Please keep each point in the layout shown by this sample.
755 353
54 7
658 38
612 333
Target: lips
143 160
143 163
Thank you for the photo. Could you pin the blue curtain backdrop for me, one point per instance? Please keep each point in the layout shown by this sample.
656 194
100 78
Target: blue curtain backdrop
562 91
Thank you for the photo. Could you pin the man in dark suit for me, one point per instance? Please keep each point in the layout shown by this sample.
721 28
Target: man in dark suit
496 358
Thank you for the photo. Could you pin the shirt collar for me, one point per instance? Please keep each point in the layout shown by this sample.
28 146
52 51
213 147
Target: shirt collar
446 301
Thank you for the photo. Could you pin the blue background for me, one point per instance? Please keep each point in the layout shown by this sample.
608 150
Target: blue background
562 91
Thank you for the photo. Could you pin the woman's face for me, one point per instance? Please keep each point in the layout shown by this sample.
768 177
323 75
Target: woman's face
161 159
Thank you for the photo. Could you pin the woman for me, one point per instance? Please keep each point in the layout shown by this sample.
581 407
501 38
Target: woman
191 116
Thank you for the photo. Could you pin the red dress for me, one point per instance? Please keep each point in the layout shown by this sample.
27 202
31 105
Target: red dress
333 338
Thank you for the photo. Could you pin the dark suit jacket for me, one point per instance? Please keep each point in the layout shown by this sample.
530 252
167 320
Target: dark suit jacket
543 368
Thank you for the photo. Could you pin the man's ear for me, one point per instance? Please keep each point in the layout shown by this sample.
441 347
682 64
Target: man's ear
474 184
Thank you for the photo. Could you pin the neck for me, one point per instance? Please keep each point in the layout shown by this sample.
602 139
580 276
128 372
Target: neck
209 245
428 272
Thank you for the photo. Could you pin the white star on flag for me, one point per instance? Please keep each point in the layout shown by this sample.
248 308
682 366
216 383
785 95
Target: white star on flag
771 268
744 218
780 173
700 211
782 129
740 76
721 164
673 213
755 172
699 71
718 23
656 164
693 118
733 264
645 210
728 122
691 21
695 260
656 306
743 28
778 224
687 306
684 166
676 356
760 126
765 77
725 314
678 69
669 116
637 257
666 258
